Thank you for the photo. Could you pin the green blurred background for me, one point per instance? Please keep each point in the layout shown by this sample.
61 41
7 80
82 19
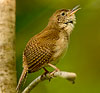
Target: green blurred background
83 55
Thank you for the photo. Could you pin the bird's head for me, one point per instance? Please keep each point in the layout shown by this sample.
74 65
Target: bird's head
64 18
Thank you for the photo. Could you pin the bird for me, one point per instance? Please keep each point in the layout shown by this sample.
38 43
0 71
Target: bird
46 48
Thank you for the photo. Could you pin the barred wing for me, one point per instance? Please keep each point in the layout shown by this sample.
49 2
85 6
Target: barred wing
37 55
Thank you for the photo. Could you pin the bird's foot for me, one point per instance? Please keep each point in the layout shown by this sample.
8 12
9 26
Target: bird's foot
52 73
45 73
56 69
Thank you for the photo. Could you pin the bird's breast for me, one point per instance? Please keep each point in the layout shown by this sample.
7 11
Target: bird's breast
61 45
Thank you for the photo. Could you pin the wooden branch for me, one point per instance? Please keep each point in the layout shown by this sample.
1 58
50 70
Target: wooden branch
8 79
67 75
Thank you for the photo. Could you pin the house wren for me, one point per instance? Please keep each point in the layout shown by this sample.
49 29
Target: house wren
45 48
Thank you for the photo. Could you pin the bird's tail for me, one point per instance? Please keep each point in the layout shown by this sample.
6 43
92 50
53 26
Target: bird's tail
22 79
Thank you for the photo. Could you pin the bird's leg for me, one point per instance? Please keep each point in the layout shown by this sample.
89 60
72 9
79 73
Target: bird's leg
51 65
56 69
46 71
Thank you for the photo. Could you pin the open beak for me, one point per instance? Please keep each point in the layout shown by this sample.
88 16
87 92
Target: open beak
75 9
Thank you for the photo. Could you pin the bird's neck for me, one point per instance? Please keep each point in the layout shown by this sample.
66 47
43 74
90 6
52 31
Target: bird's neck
69 28
53 25
66 29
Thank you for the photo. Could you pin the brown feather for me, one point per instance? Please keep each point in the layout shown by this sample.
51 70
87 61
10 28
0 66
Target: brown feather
38 51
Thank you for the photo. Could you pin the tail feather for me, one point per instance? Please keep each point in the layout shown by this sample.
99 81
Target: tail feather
22 79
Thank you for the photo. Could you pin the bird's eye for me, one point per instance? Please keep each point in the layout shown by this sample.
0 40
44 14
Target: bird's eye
63 14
